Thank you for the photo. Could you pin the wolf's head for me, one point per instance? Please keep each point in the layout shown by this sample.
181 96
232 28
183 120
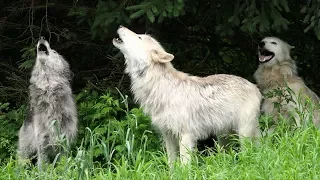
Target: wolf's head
140 50
272 50
49 58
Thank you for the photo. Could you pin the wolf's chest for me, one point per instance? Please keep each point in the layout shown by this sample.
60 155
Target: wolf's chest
46 83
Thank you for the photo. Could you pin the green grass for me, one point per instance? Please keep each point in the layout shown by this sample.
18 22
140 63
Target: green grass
116 142
283 155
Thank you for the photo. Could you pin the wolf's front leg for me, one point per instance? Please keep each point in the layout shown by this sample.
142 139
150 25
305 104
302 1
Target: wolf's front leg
187 144
42 151
172 147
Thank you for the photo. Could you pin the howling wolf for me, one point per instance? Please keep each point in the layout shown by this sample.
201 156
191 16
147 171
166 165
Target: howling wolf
277 70
52 111
186 108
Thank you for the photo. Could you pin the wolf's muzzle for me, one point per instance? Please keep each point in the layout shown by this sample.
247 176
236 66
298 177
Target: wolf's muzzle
261 44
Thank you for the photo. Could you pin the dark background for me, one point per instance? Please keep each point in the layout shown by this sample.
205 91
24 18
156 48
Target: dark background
206 37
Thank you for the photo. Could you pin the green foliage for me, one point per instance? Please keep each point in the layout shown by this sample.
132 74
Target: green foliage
10 122
116 140
282 94
28 57
158 8
110 13
279 155
196 32
304 106
101 116
259 16
106 15
312 11
113 123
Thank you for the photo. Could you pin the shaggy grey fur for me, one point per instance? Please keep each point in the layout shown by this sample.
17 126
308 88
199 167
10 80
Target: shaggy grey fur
52 110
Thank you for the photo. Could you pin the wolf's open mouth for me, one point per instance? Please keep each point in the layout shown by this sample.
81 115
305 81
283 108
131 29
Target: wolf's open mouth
118 40
265 55
43 48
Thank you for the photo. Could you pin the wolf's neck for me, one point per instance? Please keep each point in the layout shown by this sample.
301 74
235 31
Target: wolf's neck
151 84
275 75
44 77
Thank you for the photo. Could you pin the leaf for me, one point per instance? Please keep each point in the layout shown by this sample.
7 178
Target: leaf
303 10
4 105
24 49
306 18
139 6
2 117
227 59
169 6
264 21
101 130
137 14
317 31
150 16
27 64
175 12
100 18
284 4
28 52
309 27
154 9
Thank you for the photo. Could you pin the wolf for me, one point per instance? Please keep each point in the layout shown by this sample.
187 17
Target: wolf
52 113
277 70
182 107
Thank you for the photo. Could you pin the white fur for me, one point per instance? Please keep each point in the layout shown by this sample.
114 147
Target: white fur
279 72
186 108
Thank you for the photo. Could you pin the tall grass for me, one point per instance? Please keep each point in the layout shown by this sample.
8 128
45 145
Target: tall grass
129 149
283 155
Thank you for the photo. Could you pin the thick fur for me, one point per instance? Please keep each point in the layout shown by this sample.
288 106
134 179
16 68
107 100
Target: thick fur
186 108
280 72
51 102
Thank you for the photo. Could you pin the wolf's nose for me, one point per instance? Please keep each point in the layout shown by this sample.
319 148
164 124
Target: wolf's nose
261 44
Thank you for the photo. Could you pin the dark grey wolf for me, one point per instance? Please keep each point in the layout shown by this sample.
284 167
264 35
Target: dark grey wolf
52 111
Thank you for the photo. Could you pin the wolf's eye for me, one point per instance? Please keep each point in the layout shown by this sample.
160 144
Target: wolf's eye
274 43
139 37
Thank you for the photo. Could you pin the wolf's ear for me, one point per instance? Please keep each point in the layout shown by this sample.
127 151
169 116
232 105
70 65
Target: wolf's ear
290 47
161 56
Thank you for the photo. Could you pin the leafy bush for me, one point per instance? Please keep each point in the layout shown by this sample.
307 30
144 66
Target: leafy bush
10 122
280 155
116 125
109 118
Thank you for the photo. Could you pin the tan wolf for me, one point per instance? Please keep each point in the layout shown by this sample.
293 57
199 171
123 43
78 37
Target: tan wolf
277 70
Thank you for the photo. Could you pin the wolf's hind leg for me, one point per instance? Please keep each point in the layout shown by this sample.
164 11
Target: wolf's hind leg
26 146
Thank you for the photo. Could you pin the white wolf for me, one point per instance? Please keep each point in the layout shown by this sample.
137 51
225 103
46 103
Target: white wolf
50 101
186 108
278 70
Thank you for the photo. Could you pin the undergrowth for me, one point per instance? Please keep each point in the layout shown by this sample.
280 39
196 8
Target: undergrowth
118 142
